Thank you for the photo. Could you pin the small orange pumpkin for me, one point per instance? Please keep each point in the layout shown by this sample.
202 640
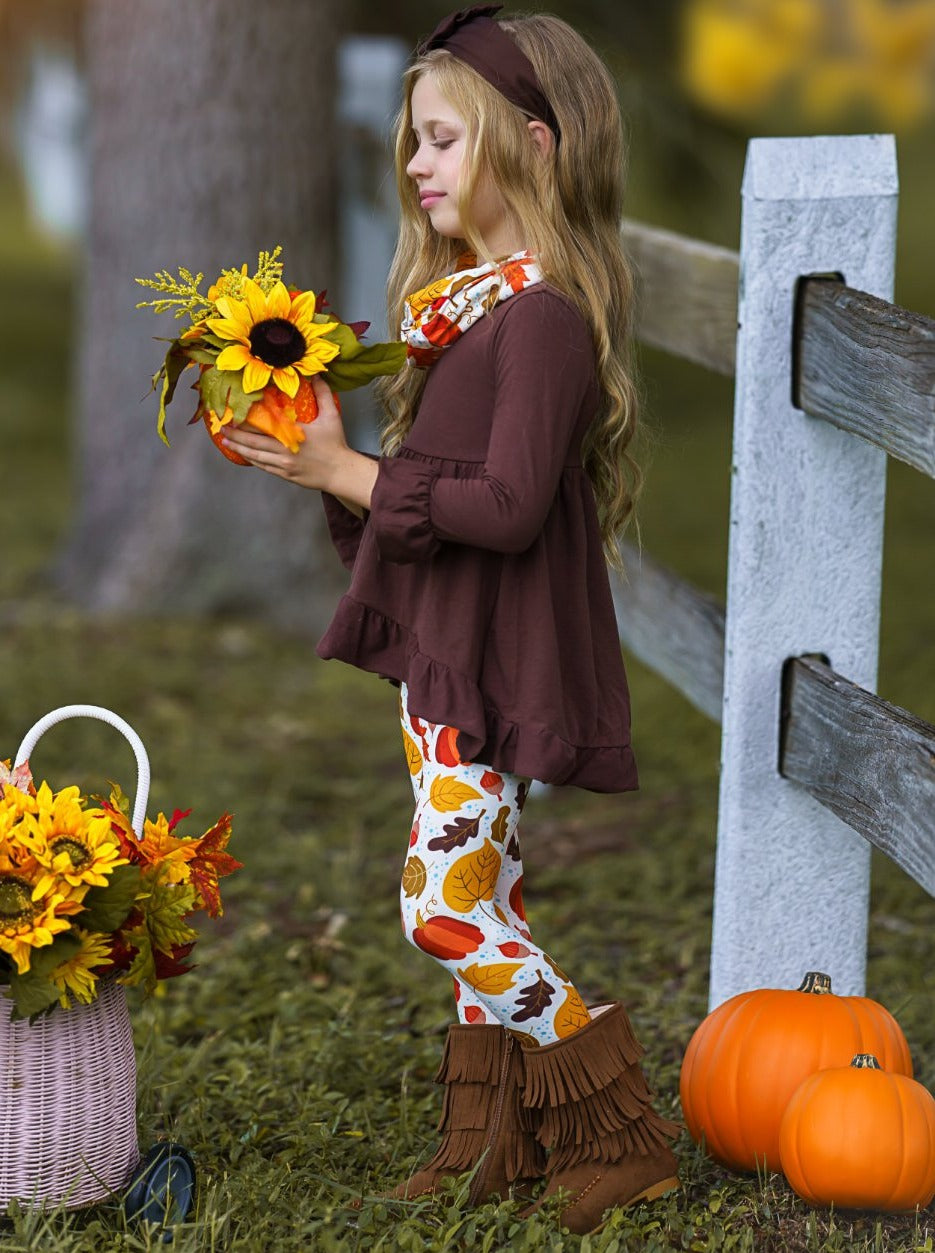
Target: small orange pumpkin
274 411
859 1137
750 1054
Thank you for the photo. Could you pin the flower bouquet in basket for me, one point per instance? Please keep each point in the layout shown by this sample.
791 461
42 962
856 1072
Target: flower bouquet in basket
257 342
83 897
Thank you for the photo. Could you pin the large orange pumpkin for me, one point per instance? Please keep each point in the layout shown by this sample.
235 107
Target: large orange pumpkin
859 1137
750 1054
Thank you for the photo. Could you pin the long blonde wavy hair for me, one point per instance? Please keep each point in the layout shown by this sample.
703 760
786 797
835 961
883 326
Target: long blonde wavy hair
569 204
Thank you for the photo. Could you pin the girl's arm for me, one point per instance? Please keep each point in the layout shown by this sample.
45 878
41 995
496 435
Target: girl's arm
544 372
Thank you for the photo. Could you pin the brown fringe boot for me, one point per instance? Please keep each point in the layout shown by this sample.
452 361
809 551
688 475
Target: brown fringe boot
483 1119
608 1145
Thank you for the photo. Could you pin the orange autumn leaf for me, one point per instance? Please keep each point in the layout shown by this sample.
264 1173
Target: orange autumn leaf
472 879
413 756
571 1015
211 863
490 980
448 794
414 876
274 419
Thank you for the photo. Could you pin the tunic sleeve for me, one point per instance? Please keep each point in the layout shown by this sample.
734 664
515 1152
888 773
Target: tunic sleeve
345 528
543 366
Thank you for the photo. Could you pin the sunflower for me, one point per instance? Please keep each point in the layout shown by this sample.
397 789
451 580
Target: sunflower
75 846
76 975
275 337
27 921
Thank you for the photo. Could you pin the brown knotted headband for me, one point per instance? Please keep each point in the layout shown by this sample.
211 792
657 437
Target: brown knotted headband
475 38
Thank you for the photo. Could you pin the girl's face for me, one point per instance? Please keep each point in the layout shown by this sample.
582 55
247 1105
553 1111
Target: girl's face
436 168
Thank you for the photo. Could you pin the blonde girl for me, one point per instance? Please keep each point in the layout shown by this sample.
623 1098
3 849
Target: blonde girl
478 544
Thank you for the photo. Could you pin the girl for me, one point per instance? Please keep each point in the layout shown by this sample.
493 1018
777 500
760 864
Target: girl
477 543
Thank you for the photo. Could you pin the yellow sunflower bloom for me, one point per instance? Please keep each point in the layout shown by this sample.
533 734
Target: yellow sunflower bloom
76 977
75 846
274 337
27 922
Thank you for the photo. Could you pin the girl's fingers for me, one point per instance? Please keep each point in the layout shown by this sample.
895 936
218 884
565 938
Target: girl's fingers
326 405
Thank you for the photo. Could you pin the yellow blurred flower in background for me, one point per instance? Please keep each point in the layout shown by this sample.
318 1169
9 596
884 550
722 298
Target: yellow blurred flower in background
817 62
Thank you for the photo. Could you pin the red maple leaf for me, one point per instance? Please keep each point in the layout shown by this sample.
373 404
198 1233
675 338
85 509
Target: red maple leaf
169 965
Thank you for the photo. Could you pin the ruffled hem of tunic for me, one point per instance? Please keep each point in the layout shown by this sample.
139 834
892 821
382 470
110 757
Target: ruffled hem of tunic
364 637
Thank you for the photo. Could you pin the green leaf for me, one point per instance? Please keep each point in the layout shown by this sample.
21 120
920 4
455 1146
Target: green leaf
105 909
34 993
356 369
143 967
165 910
220 388
177 360
342 335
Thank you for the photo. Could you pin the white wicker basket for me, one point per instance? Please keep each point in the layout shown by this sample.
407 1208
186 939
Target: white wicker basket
68 1081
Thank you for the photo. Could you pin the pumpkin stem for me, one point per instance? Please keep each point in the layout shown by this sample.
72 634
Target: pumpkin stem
816 983
866 1061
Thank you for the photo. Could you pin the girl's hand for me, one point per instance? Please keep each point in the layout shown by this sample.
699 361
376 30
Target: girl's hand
323 460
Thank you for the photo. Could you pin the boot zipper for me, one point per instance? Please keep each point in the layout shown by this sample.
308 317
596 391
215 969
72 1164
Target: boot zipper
477 1187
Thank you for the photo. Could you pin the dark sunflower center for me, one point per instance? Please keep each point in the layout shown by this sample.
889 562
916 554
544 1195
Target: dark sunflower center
74 848
278 342
15 900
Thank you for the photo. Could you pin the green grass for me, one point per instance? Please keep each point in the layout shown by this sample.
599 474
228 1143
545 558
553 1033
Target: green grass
295 1062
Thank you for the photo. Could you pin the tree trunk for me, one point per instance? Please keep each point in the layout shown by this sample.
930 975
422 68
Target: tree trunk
211 138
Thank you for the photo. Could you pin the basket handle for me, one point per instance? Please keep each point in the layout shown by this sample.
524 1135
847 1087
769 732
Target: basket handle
64 712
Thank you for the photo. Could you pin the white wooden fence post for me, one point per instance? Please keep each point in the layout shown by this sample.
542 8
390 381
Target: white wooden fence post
806 533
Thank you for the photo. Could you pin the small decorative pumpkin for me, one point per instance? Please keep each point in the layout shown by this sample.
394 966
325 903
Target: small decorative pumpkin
750 1054
861 1138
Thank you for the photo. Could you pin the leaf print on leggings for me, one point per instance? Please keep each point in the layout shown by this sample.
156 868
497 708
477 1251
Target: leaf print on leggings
415 876
456 835
472 879
448 794
571 1015
490 980
498 826
535 999
516 899
413 756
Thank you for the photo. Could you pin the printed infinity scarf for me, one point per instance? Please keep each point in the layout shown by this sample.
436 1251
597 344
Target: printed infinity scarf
438 315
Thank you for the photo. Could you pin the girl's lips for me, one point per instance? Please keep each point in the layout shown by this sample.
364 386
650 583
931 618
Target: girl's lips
428 198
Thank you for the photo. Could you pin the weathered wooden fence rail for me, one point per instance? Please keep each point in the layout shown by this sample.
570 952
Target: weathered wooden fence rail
801 317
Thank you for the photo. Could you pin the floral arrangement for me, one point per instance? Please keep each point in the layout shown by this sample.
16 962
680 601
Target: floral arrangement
257 342
83 897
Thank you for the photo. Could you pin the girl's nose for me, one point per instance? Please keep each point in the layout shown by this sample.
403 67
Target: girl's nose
417 163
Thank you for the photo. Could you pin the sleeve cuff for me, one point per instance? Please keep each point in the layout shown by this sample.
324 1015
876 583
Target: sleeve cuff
400 510
345 527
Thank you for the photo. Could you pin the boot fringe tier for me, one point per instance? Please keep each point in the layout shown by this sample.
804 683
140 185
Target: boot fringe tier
608 1146
471 1054
482 1119
557 1074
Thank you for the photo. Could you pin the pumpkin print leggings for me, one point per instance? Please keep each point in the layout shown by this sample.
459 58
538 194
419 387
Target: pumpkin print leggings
462 890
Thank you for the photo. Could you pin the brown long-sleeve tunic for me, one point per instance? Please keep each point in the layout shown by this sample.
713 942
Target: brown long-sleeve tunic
478 575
